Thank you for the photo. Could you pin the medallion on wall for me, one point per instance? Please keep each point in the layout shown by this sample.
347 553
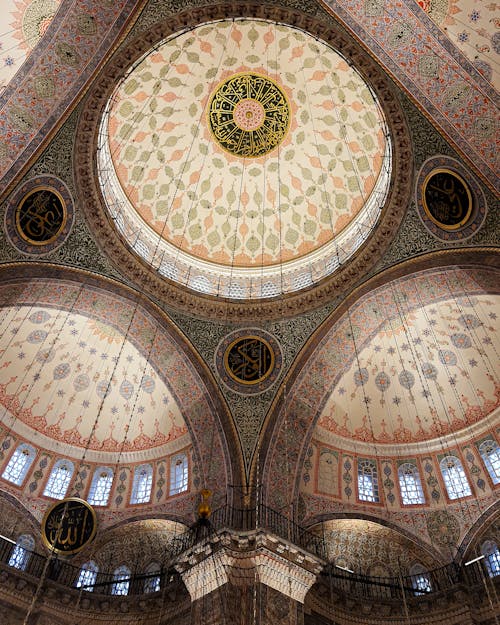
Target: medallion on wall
249 115
68 526
39 216
449 201
248 362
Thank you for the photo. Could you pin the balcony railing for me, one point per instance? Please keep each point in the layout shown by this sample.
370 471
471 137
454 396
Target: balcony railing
350 583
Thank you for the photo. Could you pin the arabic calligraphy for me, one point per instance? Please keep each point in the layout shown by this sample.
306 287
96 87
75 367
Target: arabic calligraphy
40 216
447 199
69 525
249 115
249 360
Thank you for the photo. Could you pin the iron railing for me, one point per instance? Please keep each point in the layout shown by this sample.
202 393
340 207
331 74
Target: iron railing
227 517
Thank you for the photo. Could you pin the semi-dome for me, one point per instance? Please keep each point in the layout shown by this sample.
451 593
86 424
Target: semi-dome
244 159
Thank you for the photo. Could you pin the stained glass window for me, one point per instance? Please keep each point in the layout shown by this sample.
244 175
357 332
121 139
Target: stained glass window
410 484
178 474
19 464
454 478
368 481
490 453
152 583
491 555
88 576
59 479
143 481
101 486
122 581
21 552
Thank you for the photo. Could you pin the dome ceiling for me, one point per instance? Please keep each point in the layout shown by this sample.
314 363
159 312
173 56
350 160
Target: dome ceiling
81 372
418 373
244 159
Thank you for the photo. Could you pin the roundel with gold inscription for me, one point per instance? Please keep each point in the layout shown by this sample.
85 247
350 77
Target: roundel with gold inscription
249 362
249 115
39 216
69 525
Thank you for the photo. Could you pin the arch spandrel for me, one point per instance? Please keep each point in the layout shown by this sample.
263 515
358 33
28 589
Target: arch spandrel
111 355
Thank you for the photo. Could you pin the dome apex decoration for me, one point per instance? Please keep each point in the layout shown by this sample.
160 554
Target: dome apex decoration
244 159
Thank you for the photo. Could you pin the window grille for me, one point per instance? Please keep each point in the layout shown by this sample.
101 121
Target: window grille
454 477
490 453
21 552
88 576
19 464
59 479
100 487
410 484
178 474
143 482
368 481
121 582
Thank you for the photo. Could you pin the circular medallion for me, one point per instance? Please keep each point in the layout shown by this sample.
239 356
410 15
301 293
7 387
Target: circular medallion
39 216
69 525
249 115
447 199
249 363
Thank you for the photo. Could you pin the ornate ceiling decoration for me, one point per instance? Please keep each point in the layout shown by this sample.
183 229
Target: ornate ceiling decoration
91 371
244 159
229 254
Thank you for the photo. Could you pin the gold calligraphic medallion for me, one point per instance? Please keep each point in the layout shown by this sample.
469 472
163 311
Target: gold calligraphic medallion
249 359
68 526
447 199
40 216
249 115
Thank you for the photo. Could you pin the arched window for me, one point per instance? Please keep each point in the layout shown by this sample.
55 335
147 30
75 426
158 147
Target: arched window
454 478
101 486
88 576
19 464
121 582
59 479
420 579
143 481
410 484
368 481
21 552
490 453
178 474
152 583
491 555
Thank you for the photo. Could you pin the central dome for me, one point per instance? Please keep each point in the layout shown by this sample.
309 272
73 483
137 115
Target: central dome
244 159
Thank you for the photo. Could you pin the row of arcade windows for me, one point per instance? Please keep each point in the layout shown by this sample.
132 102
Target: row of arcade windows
454 477
102 481
151 578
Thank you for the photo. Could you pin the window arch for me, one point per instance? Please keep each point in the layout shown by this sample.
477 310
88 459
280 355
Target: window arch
410 484
21 552
490 453
454 477
491 554
368 481
101 486
88 576
178 474
19 464
121 583
143 482
59 479
420 579
152 583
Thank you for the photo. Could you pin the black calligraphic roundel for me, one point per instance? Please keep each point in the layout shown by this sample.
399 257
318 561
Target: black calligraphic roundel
447 199
249 360
40 216
68 526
